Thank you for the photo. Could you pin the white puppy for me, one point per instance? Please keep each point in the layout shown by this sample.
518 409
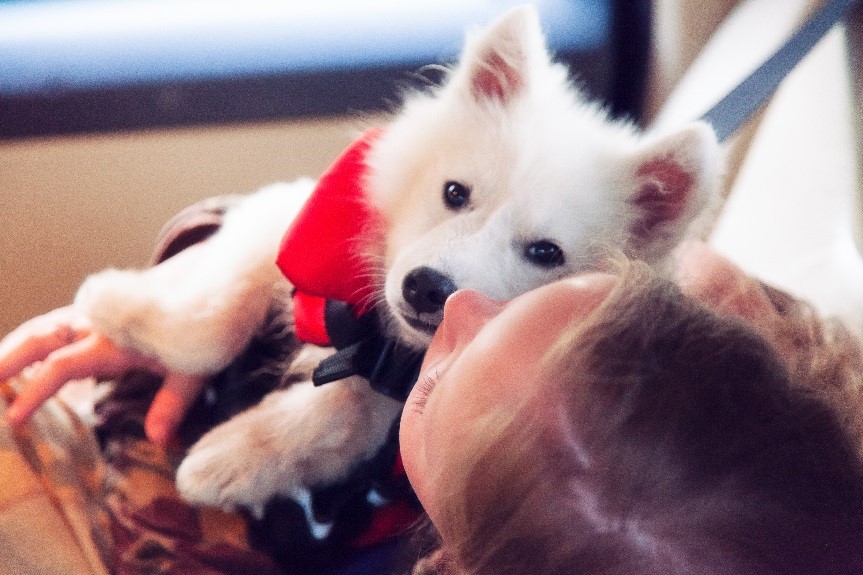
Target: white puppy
501 180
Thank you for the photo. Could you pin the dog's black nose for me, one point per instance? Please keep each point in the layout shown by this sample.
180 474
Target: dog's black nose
426 289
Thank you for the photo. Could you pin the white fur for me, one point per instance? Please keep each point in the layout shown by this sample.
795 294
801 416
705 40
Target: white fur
544 164
294 438
541 163
197 310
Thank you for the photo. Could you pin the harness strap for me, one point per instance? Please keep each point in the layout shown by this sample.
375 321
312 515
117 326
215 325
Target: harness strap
391 367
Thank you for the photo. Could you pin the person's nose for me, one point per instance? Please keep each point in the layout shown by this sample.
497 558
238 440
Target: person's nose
466 312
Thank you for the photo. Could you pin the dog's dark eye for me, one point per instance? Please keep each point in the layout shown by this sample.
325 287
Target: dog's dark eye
544 253
455 195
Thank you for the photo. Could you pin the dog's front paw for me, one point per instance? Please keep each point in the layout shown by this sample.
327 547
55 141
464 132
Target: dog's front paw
113 301
252 457
225 469
220 471
295 438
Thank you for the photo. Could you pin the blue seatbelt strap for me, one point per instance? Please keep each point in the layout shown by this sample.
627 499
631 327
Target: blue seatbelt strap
742 102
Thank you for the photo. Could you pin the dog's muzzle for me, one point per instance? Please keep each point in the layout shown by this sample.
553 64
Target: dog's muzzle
426 290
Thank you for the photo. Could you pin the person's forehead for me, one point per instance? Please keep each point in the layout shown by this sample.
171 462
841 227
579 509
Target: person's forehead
531 324
575 290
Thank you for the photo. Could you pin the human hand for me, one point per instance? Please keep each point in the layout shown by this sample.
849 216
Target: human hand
720 284
52 349
788 323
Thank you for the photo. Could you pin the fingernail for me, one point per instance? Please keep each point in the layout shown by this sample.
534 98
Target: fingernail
13 415
155 434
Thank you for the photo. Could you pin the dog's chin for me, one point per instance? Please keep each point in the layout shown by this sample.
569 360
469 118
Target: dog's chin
409 327
414 331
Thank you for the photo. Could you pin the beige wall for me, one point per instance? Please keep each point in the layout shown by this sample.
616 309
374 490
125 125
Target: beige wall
74 205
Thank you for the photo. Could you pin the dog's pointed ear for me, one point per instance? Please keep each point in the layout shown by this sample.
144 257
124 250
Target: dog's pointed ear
674 180
496 63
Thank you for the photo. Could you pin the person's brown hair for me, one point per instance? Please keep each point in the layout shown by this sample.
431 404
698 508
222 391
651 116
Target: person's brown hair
690 445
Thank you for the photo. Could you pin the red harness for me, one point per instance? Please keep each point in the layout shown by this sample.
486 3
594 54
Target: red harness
324 255
321 252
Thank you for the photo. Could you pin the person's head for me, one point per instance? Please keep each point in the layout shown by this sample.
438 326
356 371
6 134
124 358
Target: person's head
612 424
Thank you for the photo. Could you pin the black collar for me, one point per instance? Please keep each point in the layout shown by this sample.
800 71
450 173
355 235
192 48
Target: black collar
363 349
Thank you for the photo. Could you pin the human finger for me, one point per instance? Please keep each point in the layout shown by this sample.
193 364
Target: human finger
35 339
93 356
720 284
176 396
